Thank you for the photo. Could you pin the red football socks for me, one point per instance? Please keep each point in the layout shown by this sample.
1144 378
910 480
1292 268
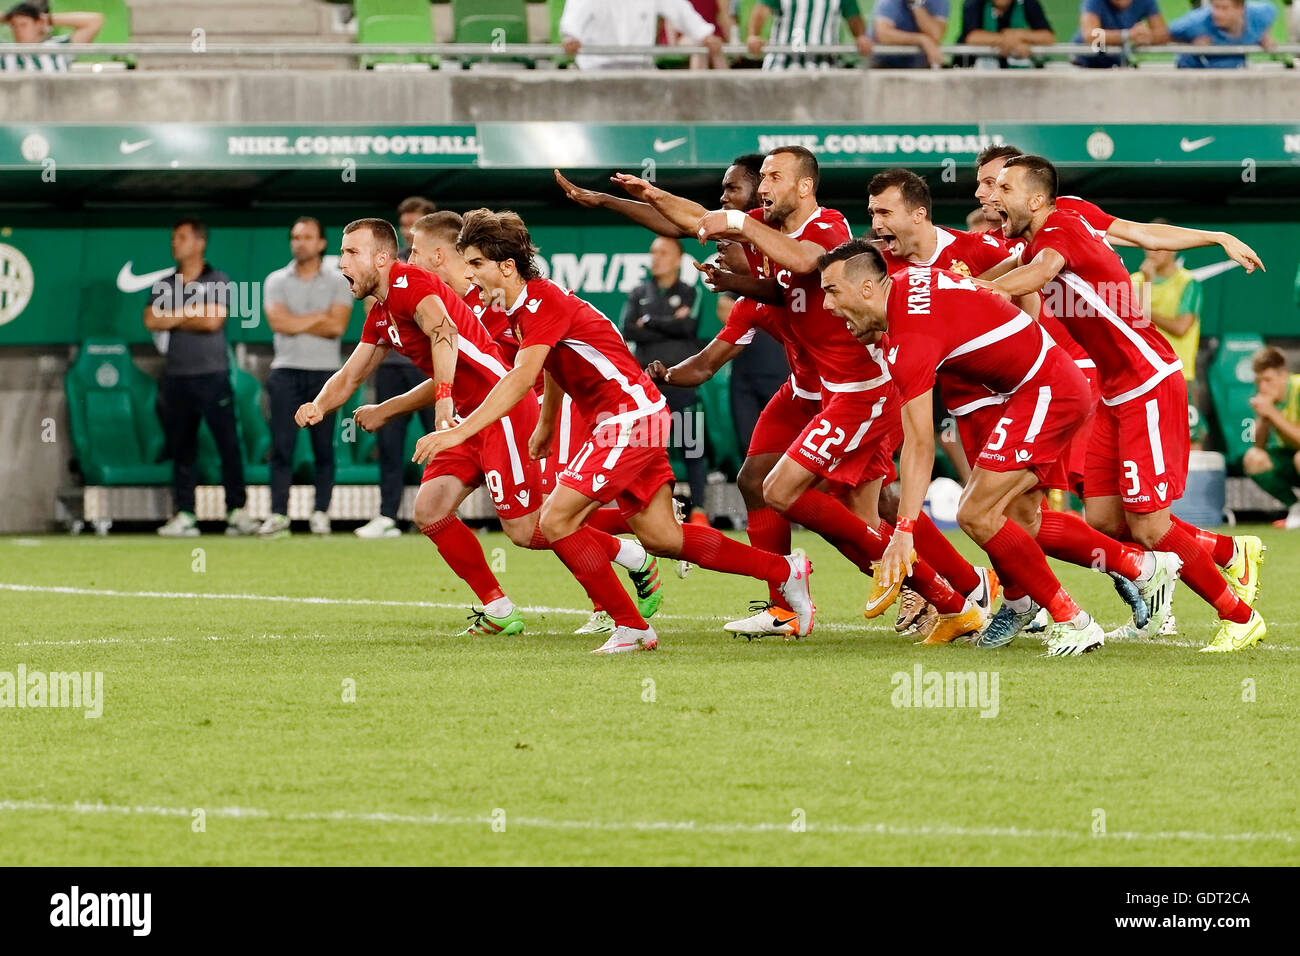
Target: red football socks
1202 576
938 552
459 547
587 561
710 548
1219 545
1018 560
1066 536
769 531
609 520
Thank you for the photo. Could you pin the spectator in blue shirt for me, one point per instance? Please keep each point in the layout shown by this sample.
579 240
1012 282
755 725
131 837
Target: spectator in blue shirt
1116 22
1224 23
918 23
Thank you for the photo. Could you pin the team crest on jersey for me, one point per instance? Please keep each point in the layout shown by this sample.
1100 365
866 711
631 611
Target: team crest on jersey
959 267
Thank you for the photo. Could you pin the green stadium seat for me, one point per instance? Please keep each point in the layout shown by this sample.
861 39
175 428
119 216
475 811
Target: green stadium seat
112 417
354 449
1232 383
116 28
476 21
394 21
1063 15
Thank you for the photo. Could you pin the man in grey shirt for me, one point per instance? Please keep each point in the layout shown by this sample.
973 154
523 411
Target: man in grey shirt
191 306
308 308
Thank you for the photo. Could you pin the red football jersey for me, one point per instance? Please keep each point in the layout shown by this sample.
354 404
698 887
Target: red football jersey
967 253
747 317
391 322
495 320
1093 214
1093 297
588 357
940 320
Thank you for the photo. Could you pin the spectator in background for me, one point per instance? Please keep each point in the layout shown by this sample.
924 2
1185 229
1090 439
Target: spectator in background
409 211
32 23
1171 298
660 322
716 12
1013 26
396 374
805 23
919 23
1274 461
307 307
629 23
191 306
1224 23
1111 24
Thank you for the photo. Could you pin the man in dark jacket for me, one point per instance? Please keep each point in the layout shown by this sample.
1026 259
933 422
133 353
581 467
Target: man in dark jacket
660 322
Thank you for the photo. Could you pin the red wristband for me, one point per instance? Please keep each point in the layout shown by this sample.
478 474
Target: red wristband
905 525
444 390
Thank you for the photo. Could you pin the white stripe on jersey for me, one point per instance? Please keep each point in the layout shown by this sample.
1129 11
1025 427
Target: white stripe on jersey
516 466
610 372
481 359
1160 370
804 393
1006 329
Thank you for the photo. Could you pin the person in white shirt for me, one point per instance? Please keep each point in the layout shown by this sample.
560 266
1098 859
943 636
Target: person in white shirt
629 23
32 22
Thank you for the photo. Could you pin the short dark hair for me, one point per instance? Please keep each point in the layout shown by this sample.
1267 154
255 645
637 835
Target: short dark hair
751 163
444 225
1269 357
382 230
862 253
914 189
419 204
196 225
33 10
673 239
311 219
1001 151
500 236
808 168
1040 172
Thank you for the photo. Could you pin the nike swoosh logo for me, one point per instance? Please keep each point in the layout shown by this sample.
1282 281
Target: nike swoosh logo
872 605
663 145
128 281
129 148
1192 145
1244 580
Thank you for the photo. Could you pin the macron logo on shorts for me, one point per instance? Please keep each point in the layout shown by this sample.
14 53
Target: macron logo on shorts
1022 454
597 482
523 498
1162 489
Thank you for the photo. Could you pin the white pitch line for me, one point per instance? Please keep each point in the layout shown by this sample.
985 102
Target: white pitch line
649 826
841 626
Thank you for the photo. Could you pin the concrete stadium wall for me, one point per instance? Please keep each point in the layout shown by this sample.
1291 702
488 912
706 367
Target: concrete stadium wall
864 96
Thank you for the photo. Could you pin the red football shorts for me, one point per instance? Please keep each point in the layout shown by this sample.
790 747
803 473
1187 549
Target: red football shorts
1139 449
624 461
1076 455
781 421
1033 428
851 441
498 458
571 433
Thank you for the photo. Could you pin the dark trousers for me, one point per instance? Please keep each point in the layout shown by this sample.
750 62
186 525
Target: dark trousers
184 401
697 466
392 380
749 396
288 388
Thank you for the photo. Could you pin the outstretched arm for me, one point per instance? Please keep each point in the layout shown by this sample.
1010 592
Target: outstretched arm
798 255
365 358
697 369
678 210
1159 235
641 213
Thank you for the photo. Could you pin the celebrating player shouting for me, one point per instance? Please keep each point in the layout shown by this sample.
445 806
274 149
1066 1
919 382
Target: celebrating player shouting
1137 459
850 442
418 314
626 458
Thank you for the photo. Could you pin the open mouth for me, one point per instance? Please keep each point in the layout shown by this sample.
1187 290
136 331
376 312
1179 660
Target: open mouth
890 241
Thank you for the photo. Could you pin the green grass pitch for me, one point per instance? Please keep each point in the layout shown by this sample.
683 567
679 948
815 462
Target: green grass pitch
225 737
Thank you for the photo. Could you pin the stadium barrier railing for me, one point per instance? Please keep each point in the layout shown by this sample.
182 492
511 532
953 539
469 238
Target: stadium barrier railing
545 52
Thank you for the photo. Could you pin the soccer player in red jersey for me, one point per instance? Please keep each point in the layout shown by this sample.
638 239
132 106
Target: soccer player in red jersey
850 442
626 460
1137 460
937 319
900 203
421 316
